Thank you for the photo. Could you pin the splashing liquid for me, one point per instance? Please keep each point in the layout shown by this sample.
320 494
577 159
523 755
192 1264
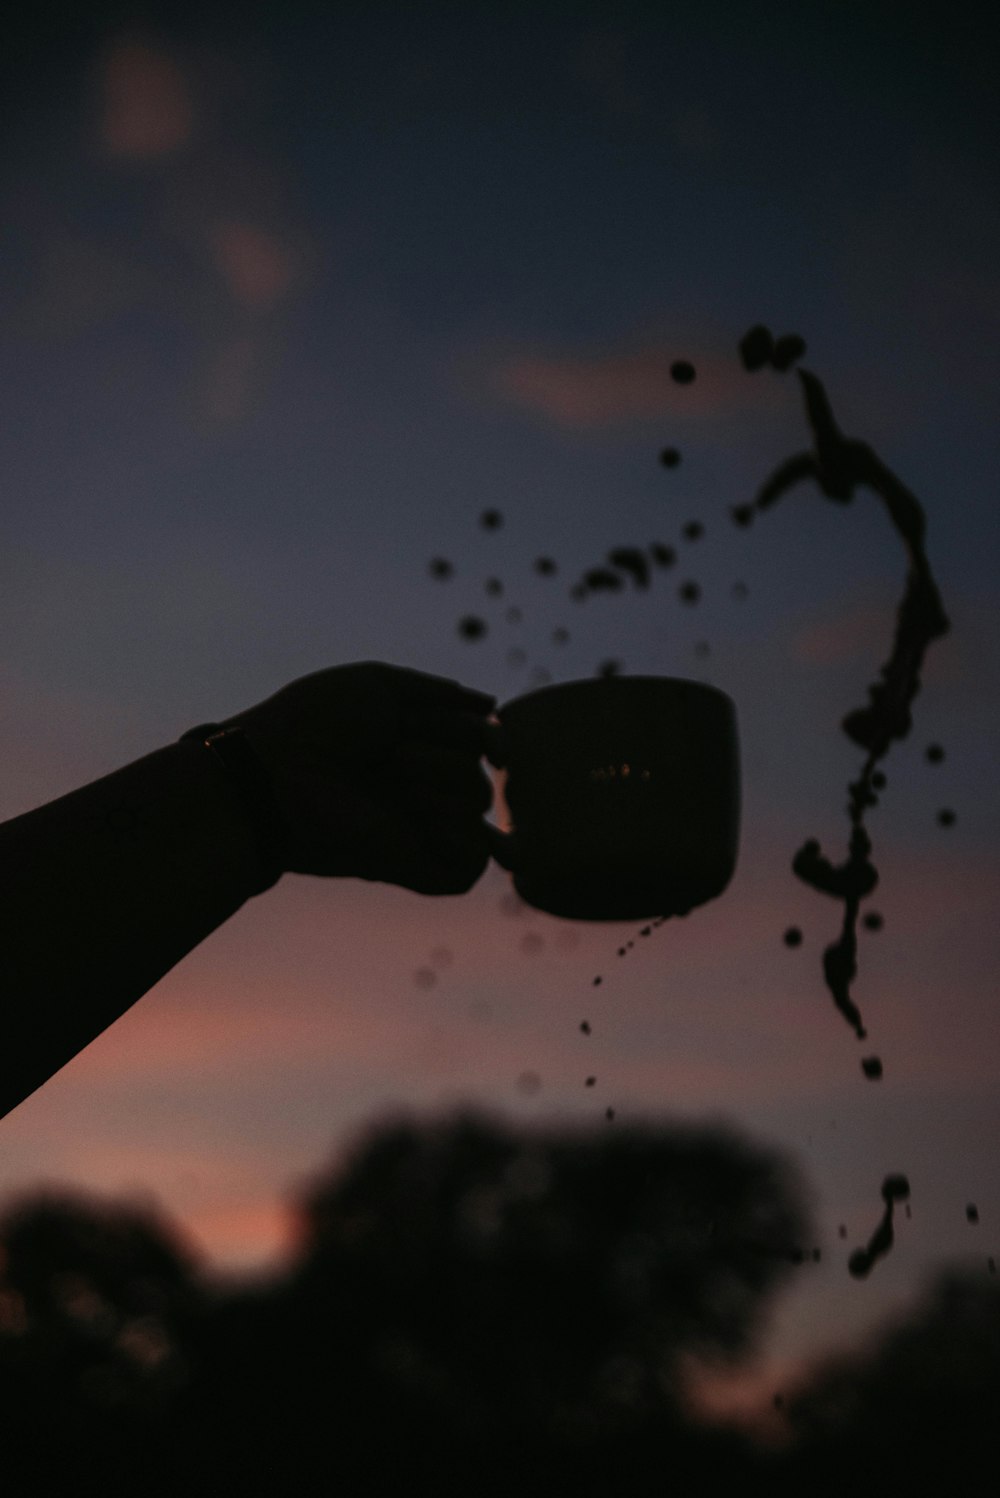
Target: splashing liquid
840 465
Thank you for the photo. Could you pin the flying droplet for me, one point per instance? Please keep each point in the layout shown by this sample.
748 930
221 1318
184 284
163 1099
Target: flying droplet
609 668
756 347
545 566
693 530
597 981
972 1213
682 371
787 349
946 817
742 514
494 587
663 556
670 457
873 921
560 636
934 754
471 627
872 1068
491 520
585 1027
895 1188
440 567
793 937
590 1081
602 579
633 561
690 592
609 1114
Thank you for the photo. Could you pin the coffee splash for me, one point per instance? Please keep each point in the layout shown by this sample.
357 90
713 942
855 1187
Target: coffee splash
895 1188
840 466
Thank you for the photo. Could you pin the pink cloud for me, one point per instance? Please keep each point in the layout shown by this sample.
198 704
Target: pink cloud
147 110
612 388
862 632
257 267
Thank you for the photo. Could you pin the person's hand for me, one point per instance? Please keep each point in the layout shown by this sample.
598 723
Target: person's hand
377 774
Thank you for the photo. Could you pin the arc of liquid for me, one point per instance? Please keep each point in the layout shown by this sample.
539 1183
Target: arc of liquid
840 465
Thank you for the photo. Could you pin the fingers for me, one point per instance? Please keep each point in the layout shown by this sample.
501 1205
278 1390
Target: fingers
464 731
459 780
431 852
440 693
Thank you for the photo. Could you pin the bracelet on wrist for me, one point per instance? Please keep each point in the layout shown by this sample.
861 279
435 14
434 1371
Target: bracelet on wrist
231 749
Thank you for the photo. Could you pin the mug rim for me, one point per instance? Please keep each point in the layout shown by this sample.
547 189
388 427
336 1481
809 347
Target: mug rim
612 683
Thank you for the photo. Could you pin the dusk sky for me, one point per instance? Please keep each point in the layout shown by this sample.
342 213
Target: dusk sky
290 296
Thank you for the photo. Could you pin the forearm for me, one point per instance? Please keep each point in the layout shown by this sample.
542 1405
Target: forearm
103 892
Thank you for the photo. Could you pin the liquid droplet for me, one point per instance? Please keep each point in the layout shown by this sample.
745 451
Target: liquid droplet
756 347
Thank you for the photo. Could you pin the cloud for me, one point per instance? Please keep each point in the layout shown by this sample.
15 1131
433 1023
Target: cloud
258 268
146 107
601 390
861 633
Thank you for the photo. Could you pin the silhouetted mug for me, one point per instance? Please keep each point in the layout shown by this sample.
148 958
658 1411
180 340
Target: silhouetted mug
624 795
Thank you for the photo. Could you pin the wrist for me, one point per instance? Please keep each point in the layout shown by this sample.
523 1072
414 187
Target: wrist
231 752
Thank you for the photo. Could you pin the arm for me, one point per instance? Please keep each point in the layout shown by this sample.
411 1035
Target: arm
375 773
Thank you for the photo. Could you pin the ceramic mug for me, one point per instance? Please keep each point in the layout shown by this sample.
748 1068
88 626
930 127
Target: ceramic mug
624 796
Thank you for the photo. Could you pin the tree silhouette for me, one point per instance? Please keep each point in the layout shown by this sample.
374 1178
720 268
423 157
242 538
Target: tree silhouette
915 1412
501 1307
96 1301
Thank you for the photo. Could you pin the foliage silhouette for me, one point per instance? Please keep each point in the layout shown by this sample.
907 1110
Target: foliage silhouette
477 1308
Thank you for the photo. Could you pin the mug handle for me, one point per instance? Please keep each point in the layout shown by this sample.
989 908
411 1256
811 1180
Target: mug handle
503 845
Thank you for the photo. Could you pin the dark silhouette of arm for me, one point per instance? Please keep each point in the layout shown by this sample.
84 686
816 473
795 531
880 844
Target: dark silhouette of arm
375 773
104 891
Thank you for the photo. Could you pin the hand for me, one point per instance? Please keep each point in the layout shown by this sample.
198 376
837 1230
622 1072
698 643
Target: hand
377 774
